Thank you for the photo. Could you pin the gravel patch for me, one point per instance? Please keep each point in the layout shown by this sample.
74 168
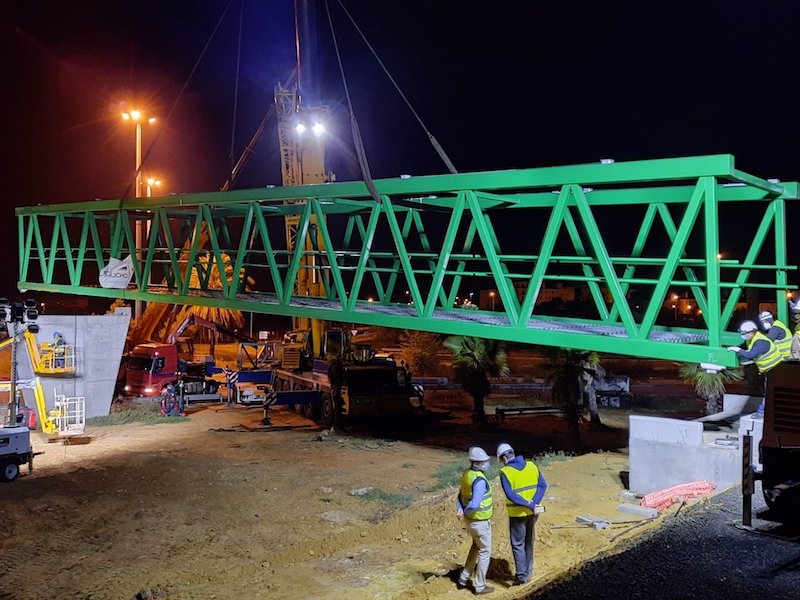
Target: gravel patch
699 553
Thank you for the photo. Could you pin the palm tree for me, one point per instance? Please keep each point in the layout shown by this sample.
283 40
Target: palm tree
474 361
569 371
592 371
709 383
232 319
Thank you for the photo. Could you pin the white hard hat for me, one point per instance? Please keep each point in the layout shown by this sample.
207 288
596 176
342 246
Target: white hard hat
477 454
765 315
503 448
748 327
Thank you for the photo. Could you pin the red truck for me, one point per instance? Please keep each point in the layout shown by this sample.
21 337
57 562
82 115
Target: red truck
153 365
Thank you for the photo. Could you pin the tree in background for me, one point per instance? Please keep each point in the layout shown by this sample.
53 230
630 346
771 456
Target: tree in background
474 361
592 371
419 350
710 383
386 337
570 372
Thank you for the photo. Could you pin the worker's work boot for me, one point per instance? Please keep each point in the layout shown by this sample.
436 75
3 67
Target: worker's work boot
484 590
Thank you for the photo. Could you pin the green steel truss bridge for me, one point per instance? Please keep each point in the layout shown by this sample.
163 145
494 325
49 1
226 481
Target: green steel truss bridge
629 236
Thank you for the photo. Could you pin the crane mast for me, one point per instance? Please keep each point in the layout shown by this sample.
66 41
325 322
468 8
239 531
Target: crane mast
302 153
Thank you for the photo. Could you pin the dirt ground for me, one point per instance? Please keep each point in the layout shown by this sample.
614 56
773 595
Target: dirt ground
204 509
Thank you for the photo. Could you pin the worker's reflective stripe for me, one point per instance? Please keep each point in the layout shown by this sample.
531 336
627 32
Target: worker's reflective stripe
783 345
527 487
484 511
770 359
524 483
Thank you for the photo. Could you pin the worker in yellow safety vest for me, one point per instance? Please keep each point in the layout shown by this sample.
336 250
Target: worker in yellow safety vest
779 333
59 350
524 487
760 349
474 504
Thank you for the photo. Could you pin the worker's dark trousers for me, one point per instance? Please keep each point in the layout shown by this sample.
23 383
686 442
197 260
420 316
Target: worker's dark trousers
521 531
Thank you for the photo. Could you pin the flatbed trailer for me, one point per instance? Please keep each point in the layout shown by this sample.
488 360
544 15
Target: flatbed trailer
332 391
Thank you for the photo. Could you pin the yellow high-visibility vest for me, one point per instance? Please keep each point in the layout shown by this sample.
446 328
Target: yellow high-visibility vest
770 359
484 511
783 345
524 483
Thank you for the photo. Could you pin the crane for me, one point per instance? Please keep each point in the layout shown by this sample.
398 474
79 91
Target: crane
301 130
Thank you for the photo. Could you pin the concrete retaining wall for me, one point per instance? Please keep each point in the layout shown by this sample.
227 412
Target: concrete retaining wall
99 341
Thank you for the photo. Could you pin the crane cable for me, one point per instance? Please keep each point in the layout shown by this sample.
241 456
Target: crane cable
175 103
236 85
434 142
357 141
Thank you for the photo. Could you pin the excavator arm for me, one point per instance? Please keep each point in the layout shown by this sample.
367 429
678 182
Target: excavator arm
193 319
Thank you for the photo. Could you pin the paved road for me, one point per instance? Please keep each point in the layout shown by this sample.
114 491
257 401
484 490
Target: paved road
698 554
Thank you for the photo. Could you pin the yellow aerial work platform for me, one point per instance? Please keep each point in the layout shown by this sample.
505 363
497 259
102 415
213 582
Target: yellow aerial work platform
67 418
50 359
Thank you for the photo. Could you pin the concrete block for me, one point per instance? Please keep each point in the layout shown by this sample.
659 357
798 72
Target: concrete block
592 521
668 452
755 427
637 509
659 429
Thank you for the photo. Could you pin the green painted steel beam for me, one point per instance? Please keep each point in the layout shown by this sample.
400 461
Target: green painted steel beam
433 240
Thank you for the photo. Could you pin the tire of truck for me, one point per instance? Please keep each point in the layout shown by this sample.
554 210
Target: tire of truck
10 470
298 408
212 386
329 413
783 506
310 411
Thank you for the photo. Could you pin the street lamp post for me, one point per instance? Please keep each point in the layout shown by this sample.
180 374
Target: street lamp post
675 305
137 117
151 183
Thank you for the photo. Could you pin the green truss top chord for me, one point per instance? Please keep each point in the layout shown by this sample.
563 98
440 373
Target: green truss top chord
625 236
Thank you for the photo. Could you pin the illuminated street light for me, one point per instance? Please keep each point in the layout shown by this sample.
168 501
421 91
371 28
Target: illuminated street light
137 116
491 295
318 128
151 183
300 128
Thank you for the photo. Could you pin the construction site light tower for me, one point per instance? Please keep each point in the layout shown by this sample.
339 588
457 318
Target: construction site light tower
17 317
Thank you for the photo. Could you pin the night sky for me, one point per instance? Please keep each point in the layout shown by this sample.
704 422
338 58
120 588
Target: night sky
500 84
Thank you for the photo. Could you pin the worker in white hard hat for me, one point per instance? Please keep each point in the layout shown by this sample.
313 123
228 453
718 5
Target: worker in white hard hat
524 486
474 504
777 332
759 348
